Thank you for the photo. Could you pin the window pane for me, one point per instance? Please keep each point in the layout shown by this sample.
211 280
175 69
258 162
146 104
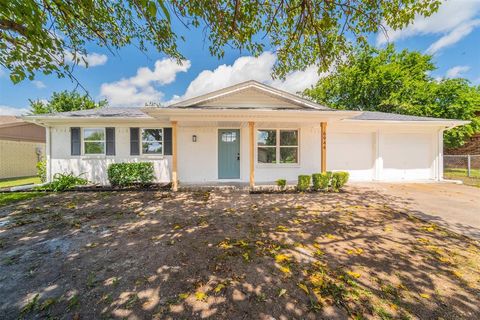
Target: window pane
266 155
229 136
288 155
267 137
288 137
94 147
93 134
152 147
152 135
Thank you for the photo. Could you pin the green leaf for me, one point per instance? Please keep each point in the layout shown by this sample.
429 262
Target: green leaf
165 10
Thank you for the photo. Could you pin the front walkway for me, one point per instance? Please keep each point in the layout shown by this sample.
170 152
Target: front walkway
456 207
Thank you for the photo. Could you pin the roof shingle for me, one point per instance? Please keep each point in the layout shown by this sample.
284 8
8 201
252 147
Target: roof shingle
107 112
384 116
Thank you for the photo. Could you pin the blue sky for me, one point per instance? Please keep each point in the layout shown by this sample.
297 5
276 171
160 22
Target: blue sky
131 78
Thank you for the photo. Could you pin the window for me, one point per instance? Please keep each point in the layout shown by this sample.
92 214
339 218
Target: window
152 141
277 146
267 146
229 136
94 141
288 146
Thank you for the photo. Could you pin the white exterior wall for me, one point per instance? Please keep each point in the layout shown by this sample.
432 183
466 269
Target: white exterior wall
367 152
197 161
94 167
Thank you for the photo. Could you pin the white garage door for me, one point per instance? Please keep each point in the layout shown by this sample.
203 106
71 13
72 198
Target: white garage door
407 156
352 152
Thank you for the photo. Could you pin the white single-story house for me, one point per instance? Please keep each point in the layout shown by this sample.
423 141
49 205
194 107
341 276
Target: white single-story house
246 133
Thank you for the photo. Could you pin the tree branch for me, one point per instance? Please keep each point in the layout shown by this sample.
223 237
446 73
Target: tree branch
13 26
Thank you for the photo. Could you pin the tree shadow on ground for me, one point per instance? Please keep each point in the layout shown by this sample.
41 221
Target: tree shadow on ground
232 255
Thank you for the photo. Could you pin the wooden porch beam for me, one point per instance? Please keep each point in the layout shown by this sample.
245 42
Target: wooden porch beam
174 156
323 129
251 130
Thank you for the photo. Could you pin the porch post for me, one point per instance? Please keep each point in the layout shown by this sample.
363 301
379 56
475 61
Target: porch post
48 153
174 156
251 130
323 127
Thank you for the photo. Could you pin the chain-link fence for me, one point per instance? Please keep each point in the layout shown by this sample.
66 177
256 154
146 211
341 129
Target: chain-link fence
463 167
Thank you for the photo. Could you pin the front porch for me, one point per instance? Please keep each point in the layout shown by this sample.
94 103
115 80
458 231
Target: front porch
245 152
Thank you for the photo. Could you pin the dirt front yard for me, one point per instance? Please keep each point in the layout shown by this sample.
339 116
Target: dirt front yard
231 255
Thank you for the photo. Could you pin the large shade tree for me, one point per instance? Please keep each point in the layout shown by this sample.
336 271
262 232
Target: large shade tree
38 35
65 101
400 82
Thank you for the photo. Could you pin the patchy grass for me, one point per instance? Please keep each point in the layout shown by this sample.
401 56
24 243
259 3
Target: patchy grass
13 182
12 197
232 255
461 174
474 173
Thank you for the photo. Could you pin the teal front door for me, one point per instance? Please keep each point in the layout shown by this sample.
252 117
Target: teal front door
228 154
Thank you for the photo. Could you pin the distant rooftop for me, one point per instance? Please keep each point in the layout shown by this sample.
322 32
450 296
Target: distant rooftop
5 120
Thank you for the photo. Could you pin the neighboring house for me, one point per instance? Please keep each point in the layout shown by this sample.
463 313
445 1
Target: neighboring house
22 145
249 133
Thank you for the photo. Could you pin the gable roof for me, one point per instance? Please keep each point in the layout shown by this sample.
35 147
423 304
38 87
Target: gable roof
285 100
246 98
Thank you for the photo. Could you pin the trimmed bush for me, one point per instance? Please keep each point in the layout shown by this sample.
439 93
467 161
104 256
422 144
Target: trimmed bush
303 183
42 170
128 173
321 181
281 183
339 179
63 181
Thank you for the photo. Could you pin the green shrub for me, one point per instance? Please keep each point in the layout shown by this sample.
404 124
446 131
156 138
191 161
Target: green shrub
339 179
42 170
281 183
321 181
303 183
63 181
124 174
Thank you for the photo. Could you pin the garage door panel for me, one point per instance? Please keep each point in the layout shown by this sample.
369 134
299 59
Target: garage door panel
352 152
407 156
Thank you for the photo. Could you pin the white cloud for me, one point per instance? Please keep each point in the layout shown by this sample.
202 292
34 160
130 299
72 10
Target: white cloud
12 111
39 84
451 14
141 88
453 36
93 59
248 68
456 71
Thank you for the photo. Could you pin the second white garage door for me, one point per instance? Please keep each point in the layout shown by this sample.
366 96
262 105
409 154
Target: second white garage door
352 152
407 156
